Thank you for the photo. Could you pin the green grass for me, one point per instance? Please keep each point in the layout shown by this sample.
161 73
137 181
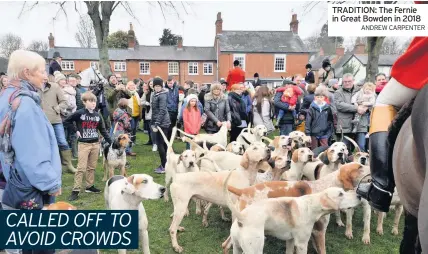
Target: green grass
198 239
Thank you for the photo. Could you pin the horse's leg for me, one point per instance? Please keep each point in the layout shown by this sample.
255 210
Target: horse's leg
410 234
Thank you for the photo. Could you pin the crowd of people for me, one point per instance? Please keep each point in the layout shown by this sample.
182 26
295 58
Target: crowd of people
59 114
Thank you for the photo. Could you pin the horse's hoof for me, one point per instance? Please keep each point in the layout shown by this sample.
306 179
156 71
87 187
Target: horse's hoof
394 231
379 231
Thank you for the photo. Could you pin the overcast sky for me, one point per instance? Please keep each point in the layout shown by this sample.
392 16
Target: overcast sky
198 28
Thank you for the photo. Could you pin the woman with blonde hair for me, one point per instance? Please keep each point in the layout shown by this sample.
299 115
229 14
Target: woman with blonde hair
216 108
30 160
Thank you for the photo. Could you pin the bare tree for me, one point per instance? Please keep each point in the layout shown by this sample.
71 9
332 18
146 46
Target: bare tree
38 46
391 46
313 42
85 35
405 45
9 43
100 13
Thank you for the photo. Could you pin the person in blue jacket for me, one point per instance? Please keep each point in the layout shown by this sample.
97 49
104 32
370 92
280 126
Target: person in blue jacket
32 165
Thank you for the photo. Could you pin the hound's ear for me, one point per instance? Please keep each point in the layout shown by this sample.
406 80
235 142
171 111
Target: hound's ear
327 203
180 158
276 142
295 156
345 176
130 179
324 157
245 161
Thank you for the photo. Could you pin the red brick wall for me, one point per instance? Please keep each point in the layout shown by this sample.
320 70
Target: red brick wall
264 65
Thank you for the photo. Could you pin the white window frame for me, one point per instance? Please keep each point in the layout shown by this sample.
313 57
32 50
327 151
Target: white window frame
141 69
67 65
280 56
242 62
119 66
95 64
171 66
206 65
192 64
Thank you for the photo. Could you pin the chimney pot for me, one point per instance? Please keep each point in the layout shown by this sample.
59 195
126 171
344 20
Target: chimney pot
51 41
131 37
180 42
294 24
218 24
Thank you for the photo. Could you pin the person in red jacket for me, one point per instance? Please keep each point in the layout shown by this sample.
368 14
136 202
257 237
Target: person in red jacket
235 76
381 82
192 117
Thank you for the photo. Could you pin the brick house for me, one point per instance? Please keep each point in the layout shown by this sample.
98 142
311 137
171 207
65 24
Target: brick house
270 53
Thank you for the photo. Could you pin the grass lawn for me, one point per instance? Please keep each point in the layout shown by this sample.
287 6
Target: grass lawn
198 239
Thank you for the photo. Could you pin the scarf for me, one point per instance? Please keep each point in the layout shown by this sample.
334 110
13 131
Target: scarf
8 121
237 97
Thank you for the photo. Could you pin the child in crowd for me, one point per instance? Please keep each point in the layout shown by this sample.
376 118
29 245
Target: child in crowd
192 117
365 97
87 124
134 104
121 118
122 122
319 120
300 122
290 95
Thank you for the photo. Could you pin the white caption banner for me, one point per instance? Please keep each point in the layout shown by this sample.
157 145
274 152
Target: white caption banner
377 20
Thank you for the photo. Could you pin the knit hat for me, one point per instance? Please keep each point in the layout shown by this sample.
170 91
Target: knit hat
58 76
157 82
191 97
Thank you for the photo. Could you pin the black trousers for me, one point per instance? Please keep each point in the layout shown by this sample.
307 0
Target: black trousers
162 147
173 117
234 133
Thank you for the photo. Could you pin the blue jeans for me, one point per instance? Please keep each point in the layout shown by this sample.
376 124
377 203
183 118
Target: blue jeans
60 136
361 140
285 129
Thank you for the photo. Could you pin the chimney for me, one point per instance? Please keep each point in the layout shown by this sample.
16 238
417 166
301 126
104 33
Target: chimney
340 51
180 43
294 24
219 24
360 48
131 37
51 41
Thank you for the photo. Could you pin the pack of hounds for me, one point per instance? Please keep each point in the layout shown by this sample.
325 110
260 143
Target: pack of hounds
276 187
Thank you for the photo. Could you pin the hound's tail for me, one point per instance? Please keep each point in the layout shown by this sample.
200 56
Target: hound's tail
217 168
165 139
229 201
187 134
353 143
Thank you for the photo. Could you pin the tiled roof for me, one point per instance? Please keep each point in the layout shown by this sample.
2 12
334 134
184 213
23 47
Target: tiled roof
261 42
384 60
139 53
